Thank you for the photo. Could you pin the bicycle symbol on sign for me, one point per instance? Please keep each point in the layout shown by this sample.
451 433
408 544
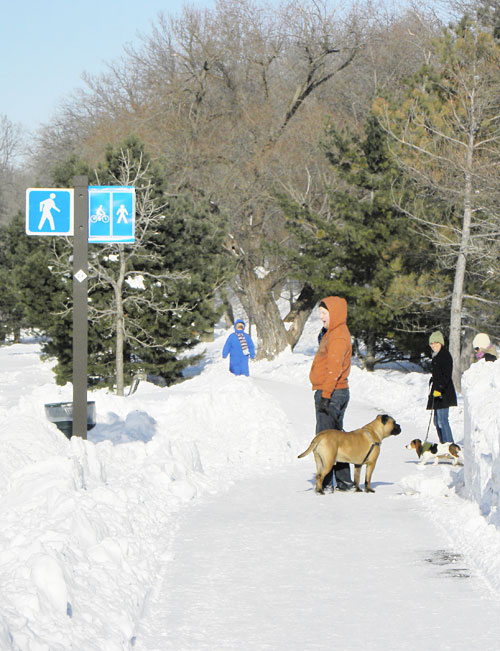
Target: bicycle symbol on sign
100 216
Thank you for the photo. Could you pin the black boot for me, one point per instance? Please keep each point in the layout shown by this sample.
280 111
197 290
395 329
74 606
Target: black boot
343 477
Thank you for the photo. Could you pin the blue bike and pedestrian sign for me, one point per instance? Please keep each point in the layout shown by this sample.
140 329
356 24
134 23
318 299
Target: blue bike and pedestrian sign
111 214
49 211
111 218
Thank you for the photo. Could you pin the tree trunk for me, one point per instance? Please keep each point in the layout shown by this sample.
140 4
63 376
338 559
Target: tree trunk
228 309
466 354
370 358
458 282
456 314
264 313
299 314
120 383
120 328
255 294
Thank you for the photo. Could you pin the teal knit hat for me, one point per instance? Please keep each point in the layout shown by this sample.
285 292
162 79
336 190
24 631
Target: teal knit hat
437 338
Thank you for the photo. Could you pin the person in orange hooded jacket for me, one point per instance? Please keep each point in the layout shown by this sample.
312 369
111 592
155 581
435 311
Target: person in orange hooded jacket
329 372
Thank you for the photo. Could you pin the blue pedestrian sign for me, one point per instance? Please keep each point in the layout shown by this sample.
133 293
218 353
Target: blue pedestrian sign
111 214
49 211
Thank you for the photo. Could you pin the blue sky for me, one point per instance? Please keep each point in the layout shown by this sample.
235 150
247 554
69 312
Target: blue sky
46 45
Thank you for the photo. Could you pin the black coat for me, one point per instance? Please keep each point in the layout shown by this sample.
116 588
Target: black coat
442 369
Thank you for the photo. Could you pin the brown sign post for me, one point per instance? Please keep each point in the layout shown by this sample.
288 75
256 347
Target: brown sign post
80 305
65 211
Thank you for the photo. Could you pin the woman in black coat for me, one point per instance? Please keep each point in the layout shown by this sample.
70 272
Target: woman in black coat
442 395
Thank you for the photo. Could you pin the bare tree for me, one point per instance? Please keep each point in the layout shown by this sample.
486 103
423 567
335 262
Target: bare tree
265 71
228 100
11 147
233 101
448 136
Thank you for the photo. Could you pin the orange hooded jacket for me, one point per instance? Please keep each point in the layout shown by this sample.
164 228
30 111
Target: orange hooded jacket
332 362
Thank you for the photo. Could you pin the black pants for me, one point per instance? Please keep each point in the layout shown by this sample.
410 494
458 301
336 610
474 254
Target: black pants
334 419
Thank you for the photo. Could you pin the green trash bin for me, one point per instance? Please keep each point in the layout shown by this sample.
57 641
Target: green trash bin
61 414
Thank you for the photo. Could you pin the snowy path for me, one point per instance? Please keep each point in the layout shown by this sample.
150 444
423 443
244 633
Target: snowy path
269 565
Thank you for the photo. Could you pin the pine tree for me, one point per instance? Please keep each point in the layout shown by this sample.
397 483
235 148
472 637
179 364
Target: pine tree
33 295
361 248
11 308
148 301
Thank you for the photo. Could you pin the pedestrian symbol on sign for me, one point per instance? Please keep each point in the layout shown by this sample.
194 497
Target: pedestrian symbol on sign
49 211
46 206
121 212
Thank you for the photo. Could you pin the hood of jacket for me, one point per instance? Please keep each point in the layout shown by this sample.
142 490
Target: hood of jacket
337 309
236 323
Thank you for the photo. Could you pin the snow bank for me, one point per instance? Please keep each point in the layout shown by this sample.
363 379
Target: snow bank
85 523
481 390
468 515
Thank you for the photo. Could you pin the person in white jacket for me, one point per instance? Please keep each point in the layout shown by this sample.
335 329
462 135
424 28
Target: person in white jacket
483 348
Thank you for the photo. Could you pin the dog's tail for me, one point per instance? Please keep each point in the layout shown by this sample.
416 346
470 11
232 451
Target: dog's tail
309 449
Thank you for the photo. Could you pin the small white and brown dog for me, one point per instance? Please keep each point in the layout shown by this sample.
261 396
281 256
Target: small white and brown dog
434 451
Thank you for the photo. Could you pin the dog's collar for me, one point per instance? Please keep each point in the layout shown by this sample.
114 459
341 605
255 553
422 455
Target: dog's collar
371 437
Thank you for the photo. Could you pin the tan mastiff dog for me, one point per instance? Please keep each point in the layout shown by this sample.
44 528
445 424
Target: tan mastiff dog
360 447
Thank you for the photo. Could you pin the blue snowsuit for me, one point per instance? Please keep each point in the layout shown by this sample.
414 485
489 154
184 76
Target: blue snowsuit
238 360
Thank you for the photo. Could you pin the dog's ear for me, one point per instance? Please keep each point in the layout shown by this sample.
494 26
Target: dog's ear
384 418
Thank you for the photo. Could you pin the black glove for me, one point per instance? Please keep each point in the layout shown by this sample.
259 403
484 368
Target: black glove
324 405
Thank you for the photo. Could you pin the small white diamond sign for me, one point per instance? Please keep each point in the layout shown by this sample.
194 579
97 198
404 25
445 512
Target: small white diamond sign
80 275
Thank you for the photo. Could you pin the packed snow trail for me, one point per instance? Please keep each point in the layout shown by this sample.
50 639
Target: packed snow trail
269 565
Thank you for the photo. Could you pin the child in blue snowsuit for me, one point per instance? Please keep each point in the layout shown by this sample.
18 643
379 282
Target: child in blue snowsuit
239 346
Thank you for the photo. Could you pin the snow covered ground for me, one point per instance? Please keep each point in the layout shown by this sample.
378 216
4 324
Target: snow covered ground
187 522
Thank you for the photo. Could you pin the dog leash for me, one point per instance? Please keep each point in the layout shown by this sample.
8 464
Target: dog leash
430 419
